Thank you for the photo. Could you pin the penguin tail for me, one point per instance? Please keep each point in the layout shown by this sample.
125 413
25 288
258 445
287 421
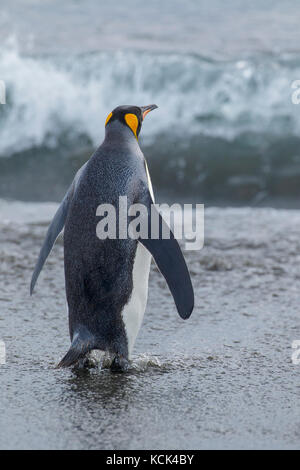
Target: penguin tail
79 348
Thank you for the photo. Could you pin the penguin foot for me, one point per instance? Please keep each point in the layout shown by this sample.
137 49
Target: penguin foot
119 364
87 362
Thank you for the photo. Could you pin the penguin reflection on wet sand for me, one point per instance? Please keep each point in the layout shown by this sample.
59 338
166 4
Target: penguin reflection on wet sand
107 280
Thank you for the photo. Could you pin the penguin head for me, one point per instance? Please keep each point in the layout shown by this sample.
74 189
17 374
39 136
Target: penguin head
130 116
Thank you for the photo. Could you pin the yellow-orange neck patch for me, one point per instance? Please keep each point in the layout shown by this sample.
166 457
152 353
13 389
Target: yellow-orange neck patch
108 118
132 122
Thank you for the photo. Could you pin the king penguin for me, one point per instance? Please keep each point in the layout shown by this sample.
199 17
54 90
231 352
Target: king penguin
106 280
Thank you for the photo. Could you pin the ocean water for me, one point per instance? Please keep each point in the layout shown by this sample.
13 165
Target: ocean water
226 127
226 134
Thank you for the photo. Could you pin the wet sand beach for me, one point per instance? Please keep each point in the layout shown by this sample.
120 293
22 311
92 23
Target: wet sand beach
222 379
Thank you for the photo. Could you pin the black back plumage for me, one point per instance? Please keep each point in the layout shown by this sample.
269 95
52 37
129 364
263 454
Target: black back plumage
97 281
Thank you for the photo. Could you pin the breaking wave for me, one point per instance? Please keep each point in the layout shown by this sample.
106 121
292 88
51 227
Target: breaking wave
51 97
214 116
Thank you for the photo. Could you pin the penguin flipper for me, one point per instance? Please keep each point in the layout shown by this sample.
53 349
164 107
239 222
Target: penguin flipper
171 263
54 230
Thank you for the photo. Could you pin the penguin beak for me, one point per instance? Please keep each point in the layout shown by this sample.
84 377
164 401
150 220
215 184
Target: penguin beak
147 109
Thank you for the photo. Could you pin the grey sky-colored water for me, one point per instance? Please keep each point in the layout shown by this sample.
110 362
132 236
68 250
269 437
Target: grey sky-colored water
206 27
220 72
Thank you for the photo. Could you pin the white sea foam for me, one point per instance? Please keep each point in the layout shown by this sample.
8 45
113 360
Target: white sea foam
49 98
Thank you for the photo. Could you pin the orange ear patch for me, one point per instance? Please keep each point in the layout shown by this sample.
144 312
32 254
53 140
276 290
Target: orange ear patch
132 122
108 118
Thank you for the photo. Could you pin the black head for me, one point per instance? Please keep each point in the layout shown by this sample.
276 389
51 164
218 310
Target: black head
131 116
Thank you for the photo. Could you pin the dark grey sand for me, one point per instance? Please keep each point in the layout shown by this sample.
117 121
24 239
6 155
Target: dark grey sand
223 379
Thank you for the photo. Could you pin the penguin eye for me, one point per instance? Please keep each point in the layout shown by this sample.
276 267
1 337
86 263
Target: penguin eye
108 118
132 122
